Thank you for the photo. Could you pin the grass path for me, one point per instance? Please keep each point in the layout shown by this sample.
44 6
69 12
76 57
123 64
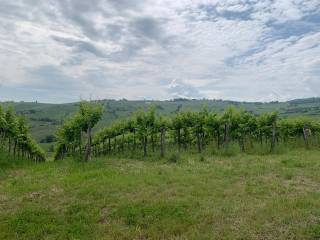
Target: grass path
240 197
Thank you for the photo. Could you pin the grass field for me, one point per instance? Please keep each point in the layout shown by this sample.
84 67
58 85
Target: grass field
237 197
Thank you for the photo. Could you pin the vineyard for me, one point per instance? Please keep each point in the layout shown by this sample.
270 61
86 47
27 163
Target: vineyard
148 132
45 119
15 137
153 176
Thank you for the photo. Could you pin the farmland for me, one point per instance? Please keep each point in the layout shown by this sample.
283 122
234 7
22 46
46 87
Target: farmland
45 118
231 173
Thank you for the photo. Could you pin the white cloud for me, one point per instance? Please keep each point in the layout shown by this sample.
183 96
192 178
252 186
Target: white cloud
160 49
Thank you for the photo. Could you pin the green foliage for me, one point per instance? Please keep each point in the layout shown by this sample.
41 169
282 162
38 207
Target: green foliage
70 133
202 158
89 115
147 131
174 157
45 119
15 137
48 139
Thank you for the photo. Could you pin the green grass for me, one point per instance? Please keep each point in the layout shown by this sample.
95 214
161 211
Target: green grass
189 197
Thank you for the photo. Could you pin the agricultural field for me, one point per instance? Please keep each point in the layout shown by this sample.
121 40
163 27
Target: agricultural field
231 174
242 196
45 119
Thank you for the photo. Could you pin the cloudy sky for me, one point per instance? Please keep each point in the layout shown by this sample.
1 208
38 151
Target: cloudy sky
252 50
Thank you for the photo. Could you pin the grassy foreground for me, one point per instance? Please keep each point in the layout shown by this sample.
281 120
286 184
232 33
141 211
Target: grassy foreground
239 197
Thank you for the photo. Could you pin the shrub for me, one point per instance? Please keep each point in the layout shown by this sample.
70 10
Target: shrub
174 158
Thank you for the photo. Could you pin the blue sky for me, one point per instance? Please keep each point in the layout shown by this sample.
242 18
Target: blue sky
248 50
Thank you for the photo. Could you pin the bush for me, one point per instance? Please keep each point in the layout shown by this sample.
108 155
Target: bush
174 158
48 139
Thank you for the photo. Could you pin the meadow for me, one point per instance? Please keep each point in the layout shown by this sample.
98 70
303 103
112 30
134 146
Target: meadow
183 196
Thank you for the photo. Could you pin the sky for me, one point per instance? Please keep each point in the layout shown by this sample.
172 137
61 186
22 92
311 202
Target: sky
248 50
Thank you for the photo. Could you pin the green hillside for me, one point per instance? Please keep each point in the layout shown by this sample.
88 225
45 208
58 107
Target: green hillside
45 118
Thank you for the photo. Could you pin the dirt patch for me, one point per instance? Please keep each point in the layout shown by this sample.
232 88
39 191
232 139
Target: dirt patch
3 198
302 184
56 190
103 216
17 174
33 196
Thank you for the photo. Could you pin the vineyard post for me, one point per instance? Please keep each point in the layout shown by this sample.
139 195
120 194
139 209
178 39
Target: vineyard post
274 132
145 142
305 136
88 148
163 136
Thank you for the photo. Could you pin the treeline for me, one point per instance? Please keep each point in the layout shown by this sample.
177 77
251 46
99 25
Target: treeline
15 137
146 132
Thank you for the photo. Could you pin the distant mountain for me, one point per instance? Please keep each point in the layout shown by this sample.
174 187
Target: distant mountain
45 118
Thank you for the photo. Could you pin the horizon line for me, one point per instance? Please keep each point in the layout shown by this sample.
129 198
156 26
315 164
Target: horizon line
158 100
